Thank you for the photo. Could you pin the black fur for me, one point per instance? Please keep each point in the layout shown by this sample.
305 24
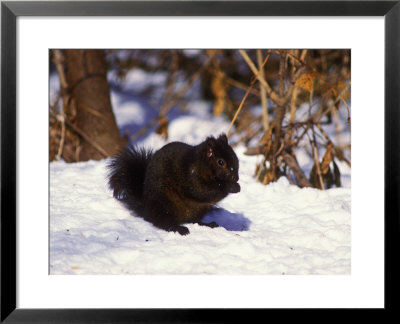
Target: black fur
177 184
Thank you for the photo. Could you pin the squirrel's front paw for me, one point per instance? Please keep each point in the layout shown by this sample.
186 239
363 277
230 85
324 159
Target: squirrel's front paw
234 187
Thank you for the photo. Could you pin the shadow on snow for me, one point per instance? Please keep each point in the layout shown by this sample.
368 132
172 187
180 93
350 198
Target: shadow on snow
229 221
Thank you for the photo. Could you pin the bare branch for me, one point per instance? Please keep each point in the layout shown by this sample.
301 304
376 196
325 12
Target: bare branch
301 179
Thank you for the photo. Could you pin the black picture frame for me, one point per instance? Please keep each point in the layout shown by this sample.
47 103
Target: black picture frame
9 13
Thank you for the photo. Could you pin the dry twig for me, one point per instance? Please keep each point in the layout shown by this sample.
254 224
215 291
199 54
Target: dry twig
245 96
174 100
83 134
263 93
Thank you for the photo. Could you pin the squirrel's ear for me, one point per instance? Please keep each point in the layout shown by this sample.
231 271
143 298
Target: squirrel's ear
223 138
210 151
211 142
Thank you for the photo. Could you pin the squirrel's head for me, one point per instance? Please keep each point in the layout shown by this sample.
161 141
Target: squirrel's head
223 162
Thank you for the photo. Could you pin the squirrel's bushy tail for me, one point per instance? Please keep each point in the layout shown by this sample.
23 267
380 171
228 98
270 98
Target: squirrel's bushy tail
126 175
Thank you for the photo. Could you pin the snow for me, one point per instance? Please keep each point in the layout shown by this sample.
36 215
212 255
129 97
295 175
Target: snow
277 229
273 229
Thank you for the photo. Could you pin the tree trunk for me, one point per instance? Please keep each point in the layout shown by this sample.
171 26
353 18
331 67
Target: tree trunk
89 108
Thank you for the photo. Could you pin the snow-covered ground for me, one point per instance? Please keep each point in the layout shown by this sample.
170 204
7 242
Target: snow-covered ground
276 229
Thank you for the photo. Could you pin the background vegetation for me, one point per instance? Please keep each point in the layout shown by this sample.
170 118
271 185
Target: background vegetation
282 103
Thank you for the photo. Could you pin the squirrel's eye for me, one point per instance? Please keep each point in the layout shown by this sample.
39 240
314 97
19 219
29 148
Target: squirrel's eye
221 163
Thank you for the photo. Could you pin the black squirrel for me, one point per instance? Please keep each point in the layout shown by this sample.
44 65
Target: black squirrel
177 184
